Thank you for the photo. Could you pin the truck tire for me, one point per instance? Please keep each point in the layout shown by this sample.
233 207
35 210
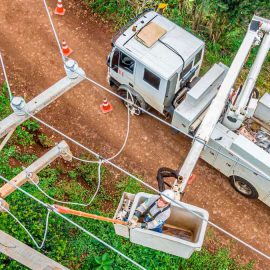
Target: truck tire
244 187
136 98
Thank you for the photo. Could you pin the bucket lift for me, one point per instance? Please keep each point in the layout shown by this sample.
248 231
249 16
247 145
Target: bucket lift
189 221
183 232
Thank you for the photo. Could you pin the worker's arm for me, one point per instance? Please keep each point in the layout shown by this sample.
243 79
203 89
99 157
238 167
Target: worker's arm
160 219
143 207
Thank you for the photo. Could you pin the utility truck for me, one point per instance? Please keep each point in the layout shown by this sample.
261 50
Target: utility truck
159 62
155 64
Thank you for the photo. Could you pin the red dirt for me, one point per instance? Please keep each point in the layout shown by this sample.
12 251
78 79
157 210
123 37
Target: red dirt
33 64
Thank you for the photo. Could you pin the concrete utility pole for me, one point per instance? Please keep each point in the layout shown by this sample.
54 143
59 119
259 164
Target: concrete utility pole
20 107
26 255
61 149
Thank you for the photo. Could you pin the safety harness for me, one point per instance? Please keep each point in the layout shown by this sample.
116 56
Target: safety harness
147 212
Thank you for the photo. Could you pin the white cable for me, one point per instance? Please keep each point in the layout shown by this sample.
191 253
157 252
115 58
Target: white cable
6 78
54 31
119 151
124 143
172 126
125 140
74 223
27 231
73 203
152 188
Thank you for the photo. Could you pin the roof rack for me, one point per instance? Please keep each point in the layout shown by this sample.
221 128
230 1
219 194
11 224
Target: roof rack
123 29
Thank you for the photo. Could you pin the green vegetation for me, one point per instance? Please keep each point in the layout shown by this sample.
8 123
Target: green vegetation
77 182
220 23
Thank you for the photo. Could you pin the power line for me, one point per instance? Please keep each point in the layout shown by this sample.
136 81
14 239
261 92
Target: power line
51 207
27 231
54 31
6 78
152 188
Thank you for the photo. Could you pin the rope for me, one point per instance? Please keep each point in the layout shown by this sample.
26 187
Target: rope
152 188
73 203
27 231
54 31
73 223
6 78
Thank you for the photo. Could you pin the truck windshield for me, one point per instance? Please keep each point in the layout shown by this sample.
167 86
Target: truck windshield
127 63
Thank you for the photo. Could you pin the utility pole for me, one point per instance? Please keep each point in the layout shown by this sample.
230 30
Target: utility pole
26 255
20 107
30 173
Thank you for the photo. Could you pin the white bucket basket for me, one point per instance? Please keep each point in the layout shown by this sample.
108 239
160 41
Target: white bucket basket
184 234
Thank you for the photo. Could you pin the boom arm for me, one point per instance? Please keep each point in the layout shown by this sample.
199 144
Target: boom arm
235 115
217 106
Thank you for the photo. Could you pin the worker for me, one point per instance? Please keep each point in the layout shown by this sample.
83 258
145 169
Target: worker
155 210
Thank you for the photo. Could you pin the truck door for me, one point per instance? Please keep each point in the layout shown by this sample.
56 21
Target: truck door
122 68
151 87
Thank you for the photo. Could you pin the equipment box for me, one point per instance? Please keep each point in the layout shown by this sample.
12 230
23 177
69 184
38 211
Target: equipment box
184 233
124 205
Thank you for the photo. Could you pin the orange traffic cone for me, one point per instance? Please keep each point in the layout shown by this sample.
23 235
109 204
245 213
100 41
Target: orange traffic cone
191 179
59 10
65 49
106 106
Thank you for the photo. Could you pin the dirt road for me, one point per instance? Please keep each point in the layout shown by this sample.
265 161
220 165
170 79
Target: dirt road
33 64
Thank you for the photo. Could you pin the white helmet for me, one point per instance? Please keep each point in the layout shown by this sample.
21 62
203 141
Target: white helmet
169 193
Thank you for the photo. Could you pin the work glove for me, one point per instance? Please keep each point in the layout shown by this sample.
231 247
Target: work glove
137 214
135 218
143 225
132 224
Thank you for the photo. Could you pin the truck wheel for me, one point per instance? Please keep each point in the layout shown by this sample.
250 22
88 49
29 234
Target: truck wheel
243 187
135 110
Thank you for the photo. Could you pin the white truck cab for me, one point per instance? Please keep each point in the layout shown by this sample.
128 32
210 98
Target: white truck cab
155 59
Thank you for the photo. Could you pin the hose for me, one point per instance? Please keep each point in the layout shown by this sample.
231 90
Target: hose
165 173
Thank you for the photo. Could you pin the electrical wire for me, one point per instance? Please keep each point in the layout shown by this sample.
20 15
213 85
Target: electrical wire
27 231
73 223
180 204
5 76
54 31
73 203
